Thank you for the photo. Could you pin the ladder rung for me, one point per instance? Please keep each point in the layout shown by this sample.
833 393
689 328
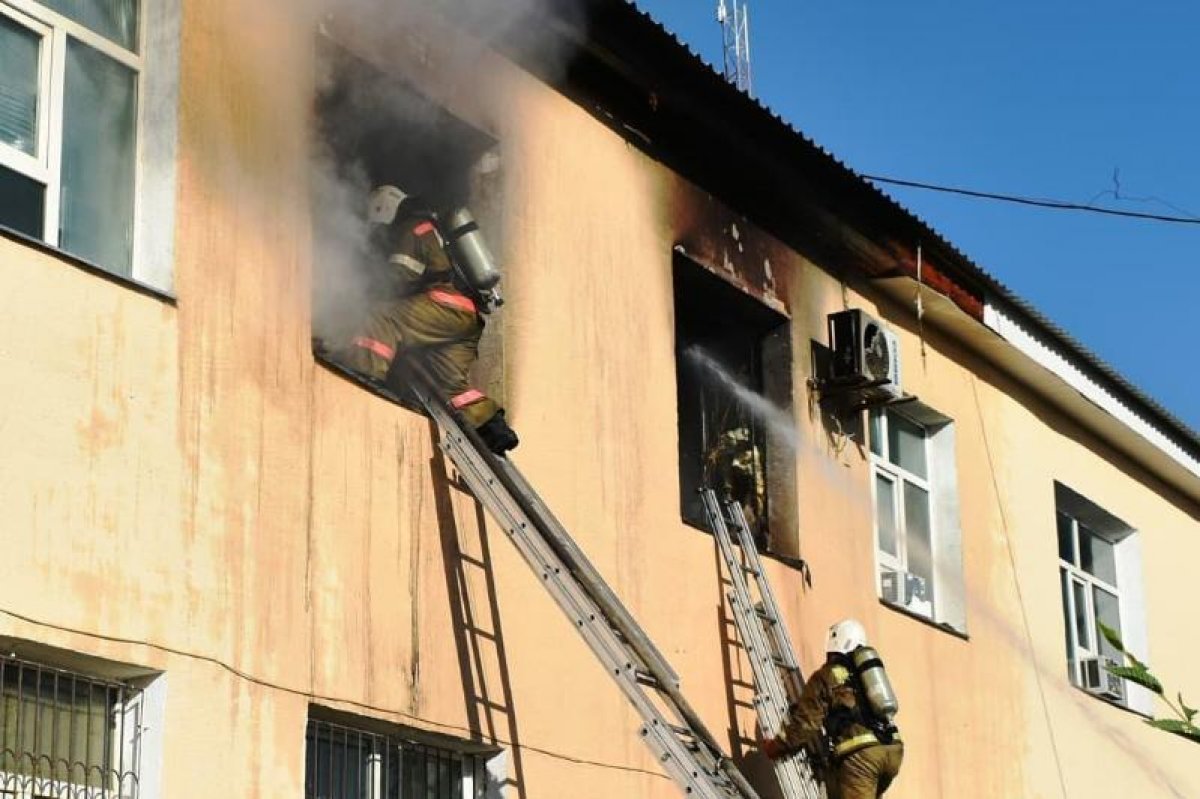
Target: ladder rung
750 570
646 678
765 616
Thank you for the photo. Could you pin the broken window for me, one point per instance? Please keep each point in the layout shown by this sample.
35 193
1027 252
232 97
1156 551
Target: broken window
374 128
733 376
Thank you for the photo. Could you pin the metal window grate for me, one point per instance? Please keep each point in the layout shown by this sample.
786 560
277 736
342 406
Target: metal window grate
66 735
347 763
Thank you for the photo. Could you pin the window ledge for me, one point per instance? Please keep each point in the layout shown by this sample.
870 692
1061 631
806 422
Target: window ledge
88 266
378 389
1111 702
940 626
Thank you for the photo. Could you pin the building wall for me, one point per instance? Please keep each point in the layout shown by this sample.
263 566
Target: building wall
186 489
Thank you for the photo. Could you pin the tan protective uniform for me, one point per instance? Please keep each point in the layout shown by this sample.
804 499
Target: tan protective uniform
860 766
427 317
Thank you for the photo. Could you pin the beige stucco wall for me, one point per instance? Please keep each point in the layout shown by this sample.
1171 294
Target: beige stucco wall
185 489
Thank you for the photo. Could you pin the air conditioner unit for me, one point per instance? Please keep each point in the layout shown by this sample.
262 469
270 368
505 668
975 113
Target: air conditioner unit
865 356
902 588
1097 680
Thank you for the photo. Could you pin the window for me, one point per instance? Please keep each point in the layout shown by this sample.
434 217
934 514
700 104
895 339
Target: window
69 85
67 734
1099 566
918 541
733 378
347 761
375 128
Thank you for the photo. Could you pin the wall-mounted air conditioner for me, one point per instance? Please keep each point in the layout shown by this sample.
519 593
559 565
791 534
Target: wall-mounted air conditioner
902 588
864 358
1097 680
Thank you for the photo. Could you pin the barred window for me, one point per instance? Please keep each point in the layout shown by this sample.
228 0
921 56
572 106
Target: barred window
349 763
66 735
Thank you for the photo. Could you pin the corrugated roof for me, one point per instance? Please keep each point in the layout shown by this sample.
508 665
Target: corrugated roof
969 269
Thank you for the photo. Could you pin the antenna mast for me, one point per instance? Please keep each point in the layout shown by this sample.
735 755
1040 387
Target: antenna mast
735 38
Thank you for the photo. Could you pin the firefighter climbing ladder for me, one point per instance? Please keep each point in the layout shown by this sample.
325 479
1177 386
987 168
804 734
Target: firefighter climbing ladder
764 636
670 727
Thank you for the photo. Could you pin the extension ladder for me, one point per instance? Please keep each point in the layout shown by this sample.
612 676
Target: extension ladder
777 679
686 750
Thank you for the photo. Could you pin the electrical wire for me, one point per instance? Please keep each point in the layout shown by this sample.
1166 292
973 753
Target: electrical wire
1012 562
320 697
1060 205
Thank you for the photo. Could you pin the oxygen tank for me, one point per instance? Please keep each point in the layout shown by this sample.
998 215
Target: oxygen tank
875 683
469 251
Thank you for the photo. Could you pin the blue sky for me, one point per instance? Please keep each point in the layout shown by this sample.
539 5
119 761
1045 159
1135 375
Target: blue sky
1034 99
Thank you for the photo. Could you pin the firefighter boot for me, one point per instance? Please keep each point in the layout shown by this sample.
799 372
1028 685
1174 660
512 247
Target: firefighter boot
496 433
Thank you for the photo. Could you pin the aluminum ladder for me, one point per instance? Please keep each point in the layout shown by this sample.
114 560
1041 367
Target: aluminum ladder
686 750
777 679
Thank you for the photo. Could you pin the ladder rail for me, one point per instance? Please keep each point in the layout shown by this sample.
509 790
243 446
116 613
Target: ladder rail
698 766
762 641
793 685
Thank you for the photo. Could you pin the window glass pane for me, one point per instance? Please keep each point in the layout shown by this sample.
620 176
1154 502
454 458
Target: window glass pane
1097 557
98 151
1108 611
22 203
918 537
876 421
906 445
19 49
1083 625
112 19
1066 538
885 514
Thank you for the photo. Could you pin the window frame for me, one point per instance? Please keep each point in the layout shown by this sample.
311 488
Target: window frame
1073 574
882 466
123 732
47 169
379 748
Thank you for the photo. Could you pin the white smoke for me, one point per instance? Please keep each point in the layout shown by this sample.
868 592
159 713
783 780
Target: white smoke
340 182
779 421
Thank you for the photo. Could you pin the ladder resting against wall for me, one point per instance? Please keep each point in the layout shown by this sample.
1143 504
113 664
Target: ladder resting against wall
686 750
777 679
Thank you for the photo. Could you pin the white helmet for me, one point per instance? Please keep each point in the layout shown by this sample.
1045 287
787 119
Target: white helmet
383 204
845 636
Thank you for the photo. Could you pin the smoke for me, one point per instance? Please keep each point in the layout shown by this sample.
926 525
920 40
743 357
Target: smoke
375 122
779 421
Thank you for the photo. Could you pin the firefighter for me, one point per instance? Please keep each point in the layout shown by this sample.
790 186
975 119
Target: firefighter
733 466
426 312
843 719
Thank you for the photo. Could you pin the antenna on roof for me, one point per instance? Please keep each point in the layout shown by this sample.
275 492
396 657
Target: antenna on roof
735 38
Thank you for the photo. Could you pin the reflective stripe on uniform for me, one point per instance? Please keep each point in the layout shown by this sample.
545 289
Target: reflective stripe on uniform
466 398
377 347
408 262
852 745
452 299
423 228
840 673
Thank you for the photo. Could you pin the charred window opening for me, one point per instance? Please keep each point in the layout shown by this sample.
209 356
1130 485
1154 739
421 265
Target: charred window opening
733 377
374 128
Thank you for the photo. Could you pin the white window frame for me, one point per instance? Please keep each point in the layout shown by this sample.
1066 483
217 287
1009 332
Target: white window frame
1073 575
47 167
882 466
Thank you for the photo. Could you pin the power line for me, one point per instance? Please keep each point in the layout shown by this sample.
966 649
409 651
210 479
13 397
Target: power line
1056 204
